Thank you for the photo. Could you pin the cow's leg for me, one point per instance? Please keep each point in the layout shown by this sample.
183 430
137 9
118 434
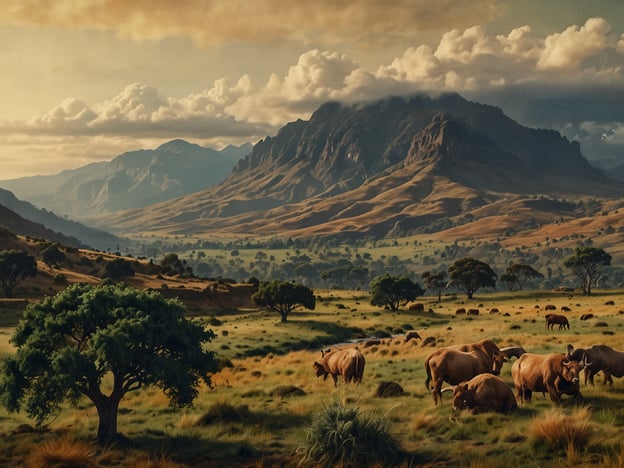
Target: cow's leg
554 395
437 391
335 377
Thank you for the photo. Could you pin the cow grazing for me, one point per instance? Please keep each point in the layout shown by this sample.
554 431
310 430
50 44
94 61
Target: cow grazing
552 319
417 307
512 351
349 363
454 366
550 307
484 393
587 316
460 311
472 311
412 335
603 358
552 373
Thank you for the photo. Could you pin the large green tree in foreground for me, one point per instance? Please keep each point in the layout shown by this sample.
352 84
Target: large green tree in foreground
469 275
587 264
283 297
393 291
102 342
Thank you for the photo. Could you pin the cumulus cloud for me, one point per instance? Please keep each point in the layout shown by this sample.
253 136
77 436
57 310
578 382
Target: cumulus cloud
217 21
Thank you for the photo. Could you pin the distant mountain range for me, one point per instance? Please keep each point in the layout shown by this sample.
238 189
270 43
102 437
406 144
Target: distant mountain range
391 167
131 180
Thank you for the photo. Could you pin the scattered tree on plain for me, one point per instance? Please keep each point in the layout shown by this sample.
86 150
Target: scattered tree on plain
436 282
283 297
52 256
587 264
15 266
67 345
518 274
469 275
393 291
118 268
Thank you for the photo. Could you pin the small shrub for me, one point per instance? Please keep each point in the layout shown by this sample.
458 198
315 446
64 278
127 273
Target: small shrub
287 391
224 412
345 437
63 452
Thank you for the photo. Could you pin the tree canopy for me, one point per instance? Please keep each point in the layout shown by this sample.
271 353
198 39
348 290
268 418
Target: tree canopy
15 266
393 291
587 264
283 297
469 275
436 282
68 344
518 274
51 255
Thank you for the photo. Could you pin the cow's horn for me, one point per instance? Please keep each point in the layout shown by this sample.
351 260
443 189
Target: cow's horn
447 389
585 363
570 349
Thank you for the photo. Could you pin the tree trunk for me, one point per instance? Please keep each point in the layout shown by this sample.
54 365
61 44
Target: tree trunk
107 414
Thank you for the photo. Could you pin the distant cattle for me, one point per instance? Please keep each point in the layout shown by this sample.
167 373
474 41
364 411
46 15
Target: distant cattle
587 316
554 319
565 309
602 358
417 307
550 307
412 335
493 310
473 312
553 373
460 311
484 393
348 363
429 341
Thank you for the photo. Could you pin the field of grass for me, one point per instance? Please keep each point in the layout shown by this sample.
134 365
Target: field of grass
262 403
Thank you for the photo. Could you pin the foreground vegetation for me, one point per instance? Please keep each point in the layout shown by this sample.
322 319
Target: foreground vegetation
265 401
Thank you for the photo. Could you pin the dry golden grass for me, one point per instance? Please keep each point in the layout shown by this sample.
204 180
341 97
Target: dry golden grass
564 431
63 453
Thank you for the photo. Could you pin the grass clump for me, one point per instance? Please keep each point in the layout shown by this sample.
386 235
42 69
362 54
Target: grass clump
346 437
61 453
563 431
224 412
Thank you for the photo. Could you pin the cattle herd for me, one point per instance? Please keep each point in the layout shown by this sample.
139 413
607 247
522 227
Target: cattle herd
473 372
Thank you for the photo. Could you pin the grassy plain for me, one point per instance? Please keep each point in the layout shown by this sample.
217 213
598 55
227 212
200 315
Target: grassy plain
253 417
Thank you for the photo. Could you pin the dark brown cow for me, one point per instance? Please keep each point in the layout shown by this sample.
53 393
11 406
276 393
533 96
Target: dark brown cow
417 307
512 351
460 311
349 363
603 358
454 366
472 311
552 373
484 393
587 316
412 335
552 319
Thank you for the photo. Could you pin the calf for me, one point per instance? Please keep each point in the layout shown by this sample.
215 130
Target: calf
484 393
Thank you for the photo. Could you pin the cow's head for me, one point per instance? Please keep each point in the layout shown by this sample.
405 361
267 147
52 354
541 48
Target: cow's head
571 369
463 397
319 370
497 363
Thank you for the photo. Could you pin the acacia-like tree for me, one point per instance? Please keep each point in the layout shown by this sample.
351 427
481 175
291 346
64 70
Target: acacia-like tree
436 282
15 266
283 297
522 273
51 255
69 344
469 275
393 291
587 264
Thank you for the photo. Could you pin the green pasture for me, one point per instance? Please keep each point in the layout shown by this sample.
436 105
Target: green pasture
262 402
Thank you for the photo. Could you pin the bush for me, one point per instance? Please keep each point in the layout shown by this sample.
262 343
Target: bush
343 436
61 452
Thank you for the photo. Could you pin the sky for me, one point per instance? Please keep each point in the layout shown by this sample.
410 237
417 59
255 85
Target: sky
86 80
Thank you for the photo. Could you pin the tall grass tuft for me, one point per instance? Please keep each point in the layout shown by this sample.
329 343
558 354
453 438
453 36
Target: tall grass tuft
346 437
563 431
61 453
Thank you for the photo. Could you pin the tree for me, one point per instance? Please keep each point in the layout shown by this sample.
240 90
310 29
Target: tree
469 274
509 279
51 255
435 282
118 268
523 273
69 344
15 266
587 264
283 297
393 291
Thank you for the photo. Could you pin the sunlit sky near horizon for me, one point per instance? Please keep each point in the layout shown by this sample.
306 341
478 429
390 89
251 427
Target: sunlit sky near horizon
86 80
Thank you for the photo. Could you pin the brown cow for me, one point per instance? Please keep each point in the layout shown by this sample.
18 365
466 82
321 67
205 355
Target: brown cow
349 363
460 311
484 393
587 316
412 335
472 311
603 358
417 307
454 366
552 373
552 319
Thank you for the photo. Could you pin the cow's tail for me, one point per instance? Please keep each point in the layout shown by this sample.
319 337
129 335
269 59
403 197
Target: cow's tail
428 370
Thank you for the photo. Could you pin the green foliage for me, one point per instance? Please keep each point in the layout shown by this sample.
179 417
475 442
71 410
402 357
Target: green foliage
51 255
118 269
393 291
15 266
68 344
469 275
283 297
522 273
436 282
341 436
587 264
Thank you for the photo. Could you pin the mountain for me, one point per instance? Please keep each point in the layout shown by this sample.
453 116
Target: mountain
131 180
50 226
19 225
389 167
